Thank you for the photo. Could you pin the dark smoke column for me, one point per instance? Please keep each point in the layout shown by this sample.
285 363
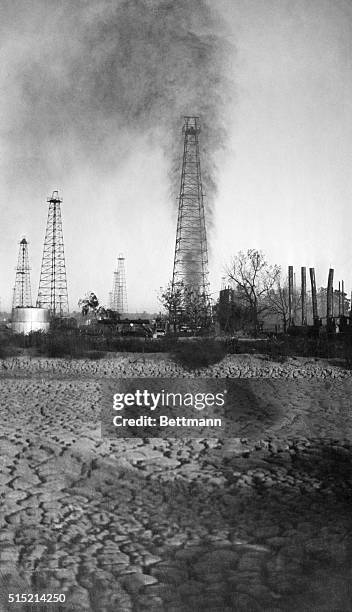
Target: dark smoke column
190 272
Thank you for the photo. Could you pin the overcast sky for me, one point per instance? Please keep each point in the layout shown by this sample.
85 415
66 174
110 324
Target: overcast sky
92 100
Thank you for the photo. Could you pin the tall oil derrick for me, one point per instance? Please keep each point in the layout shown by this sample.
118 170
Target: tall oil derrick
190 270
52 293
22 295
119 293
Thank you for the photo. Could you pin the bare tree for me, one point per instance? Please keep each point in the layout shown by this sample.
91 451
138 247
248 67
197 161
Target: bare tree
278 303
253 277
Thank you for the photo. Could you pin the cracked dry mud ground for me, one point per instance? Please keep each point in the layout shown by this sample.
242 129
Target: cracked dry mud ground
257 522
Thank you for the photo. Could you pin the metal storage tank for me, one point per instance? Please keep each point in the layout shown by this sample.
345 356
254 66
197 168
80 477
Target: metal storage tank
26 320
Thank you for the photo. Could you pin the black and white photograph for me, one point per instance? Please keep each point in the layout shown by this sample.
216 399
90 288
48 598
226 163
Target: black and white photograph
175 306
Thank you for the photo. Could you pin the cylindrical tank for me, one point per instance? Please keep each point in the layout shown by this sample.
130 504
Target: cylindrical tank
26 320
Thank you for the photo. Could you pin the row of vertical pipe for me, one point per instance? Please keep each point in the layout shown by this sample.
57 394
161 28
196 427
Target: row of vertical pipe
330 296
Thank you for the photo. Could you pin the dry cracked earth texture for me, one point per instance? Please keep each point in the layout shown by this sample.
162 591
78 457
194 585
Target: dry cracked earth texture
261 521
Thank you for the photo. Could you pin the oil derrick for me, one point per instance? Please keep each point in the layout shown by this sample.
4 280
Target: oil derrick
119 293
22 295
190 270
52 293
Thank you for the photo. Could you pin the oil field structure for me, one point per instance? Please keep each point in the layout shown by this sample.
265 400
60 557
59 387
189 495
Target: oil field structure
25 318
52 292
333 316
190 305
190 269
119 291
306 311
52 300
22 294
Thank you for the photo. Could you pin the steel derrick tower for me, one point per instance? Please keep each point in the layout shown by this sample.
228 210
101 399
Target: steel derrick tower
190 270
22 295
119 292
52 292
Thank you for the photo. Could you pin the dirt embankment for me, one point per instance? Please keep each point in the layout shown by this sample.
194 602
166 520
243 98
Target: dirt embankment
126 365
